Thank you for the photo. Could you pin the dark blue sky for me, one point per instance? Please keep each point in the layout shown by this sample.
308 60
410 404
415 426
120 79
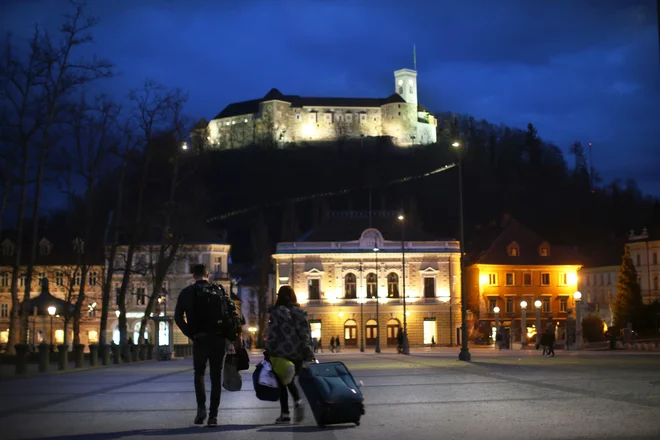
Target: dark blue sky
579 70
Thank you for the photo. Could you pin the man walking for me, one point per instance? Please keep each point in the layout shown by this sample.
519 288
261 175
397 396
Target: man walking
210 320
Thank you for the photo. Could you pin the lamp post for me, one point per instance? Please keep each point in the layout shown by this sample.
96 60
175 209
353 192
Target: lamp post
405 348
496 310
578 318
464 354
51 312
377 306
538 305
362 327
523 324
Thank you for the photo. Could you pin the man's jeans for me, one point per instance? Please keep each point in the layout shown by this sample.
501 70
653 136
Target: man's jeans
212 349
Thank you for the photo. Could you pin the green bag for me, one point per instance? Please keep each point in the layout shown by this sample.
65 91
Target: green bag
284 369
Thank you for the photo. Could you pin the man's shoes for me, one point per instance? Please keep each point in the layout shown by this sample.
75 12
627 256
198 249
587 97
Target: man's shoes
213 422
298 412
284 419
201 416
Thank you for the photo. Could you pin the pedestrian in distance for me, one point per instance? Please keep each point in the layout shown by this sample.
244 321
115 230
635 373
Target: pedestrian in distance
332 344
207 315
337 343
290 338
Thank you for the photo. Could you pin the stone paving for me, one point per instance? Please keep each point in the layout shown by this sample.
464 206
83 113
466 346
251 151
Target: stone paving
429 395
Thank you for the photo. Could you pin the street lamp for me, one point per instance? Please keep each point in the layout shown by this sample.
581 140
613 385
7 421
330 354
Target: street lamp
538 305
523 324
496 310
377 306
362 326
117 313
405 348
578 318
464 354
51 312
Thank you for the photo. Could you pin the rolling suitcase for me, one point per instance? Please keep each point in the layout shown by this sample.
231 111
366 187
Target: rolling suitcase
332 393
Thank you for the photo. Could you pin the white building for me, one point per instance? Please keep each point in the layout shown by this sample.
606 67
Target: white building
644 250
337 275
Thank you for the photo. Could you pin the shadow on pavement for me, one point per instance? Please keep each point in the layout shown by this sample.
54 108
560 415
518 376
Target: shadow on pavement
298 428
189 430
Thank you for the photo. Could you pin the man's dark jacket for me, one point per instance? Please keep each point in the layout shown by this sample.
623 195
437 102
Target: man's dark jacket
185 304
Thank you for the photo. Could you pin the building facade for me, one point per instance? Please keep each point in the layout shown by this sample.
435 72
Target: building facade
340 269
644 251
58 261
288 119
214 255
598 286
510 264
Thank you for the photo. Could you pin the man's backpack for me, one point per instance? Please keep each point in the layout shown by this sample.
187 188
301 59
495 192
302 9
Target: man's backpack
215 312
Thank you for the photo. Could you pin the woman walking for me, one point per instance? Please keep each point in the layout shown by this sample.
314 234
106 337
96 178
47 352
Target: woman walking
289 337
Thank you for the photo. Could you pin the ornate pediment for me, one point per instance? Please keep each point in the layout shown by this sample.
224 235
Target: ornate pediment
371 239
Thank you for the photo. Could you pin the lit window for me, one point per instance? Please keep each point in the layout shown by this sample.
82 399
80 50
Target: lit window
371 285
509 279
509 305
492 279
59 336
563 304
92 336
546 305
544 252
93 278
4 310
545 279
59 279
430 328
350 286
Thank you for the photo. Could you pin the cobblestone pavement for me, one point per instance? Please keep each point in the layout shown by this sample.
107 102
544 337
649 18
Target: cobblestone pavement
505 395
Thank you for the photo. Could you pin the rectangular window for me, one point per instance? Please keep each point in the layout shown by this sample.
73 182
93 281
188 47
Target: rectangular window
117 291
363 117
59 336
430 331
140 296
312 117
546 305
492 279
4 310
563 304
315 327
492 303
21 280
75 279
563 279
91 312
328 118
429 287
314 288
509 305
527 279
545 279
92 336
93 278
509 279
4 280
349 117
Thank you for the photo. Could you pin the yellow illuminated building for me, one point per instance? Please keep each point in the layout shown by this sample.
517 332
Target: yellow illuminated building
512 267
337 268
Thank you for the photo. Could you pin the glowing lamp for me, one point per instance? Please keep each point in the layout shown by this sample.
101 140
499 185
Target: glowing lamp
538 303
483 279
572 278
51 310
184 146
117 313
496 309
400 217
341 314
577 296
456 145
523 304
407 312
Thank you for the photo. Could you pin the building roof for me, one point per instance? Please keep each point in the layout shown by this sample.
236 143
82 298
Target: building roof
491 246
252 106
61 253
349 226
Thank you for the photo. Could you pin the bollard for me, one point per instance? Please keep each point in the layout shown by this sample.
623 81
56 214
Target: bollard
116 354
142 352
93 355
21 358
44 357
125 353
150 352
63 357
105 354
79 355
134 353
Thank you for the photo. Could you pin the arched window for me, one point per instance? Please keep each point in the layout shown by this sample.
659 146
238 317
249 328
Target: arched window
372 285
136 332
371 334
350 286
350 333
392 285
393 328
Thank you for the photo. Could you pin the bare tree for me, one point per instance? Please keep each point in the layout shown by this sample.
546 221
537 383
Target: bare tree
36 90
343 131
154 107
94 134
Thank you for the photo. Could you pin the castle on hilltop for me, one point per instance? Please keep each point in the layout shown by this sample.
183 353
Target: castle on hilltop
282 119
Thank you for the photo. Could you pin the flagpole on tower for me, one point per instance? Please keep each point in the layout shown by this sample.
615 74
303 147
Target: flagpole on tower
414 57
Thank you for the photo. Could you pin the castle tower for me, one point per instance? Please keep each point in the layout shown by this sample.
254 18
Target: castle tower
405 84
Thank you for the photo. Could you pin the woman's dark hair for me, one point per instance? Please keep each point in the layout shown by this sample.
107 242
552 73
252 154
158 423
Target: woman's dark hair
286 297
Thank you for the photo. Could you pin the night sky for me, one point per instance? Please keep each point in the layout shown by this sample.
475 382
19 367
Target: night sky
583 70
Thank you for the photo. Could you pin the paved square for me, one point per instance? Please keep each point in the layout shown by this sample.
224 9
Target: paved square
429 395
